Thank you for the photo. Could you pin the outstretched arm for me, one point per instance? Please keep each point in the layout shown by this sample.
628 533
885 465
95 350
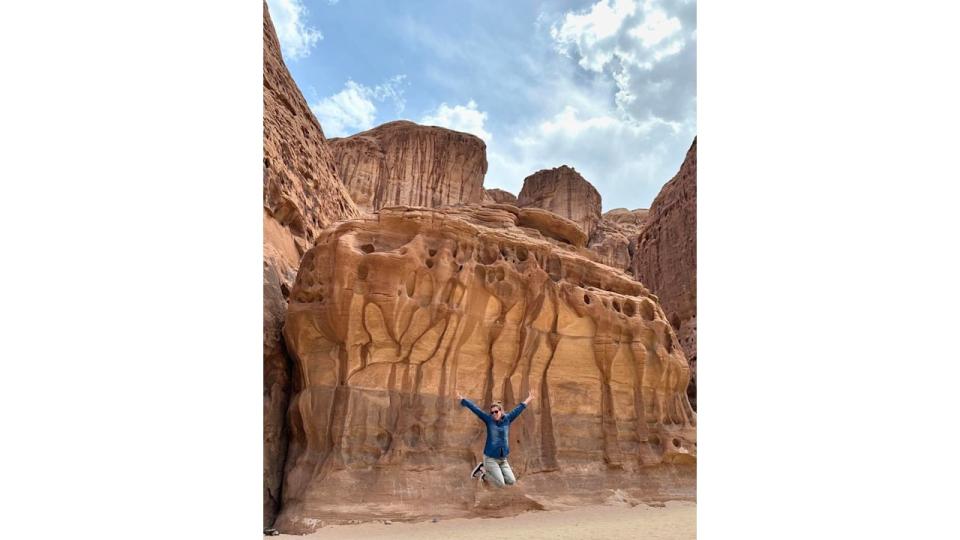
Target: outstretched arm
520 408
476 410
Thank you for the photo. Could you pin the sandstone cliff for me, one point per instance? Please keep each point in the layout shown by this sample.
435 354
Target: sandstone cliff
301 195
402 163
666 256
392 313
564 192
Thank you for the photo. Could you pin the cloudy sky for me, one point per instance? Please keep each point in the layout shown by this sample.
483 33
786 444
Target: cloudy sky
607 87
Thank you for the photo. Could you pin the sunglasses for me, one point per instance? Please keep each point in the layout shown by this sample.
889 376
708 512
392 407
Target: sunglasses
494 411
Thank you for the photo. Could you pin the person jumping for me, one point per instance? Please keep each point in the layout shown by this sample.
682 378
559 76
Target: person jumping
494 465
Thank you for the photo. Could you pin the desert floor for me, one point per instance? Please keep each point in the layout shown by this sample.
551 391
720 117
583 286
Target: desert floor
676 520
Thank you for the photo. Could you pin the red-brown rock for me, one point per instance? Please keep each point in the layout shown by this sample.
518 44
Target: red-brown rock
564 192
666 257
402 163
301 195
614 240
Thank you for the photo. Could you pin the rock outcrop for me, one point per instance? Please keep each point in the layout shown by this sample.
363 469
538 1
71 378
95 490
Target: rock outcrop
666 256
501 196
402 163
391 314
614 240
301 195
564 192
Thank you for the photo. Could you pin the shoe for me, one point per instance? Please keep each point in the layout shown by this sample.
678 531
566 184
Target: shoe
477 471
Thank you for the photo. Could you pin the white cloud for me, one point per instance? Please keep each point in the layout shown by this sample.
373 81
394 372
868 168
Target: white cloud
646 51
467 118
597 146
289 20
353 109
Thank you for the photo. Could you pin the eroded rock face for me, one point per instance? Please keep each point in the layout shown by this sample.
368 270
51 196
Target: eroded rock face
501 196
564 192
393 313
614 240
402 163
301 195
666 257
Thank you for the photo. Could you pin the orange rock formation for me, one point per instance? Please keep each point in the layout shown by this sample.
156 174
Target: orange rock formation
390 314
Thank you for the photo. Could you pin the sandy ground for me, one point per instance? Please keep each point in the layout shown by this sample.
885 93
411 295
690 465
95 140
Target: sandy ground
675 521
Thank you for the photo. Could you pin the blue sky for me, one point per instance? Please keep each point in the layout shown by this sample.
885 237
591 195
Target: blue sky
607 87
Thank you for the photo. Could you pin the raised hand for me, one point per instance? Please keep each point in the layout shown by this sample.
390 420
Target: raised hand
530 397
459 395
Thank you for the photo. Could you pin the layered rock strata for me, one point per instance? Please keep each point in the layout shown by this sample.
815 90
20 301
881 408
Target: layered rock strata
391 314
564 192
301 195
402 163
666 256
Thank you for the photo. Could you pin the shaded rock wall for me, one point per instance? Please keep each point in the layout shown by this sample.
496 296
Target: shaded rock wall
564 192
301 195
402 163
666 256
391 314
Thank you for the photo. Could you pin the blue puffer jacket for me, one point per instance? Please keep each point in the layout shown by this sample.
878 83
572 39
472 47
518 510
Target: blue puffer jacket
498 433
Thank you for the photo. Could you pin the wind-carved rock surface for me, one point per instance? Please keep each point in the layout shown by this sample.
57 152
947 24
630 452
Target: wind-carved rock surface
666 257
500 196
402 163
614 240
564 192
392 313
301 195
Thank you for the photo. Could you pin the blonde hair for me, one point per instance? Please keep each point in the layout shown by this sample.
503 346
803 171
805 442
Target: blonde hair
498 403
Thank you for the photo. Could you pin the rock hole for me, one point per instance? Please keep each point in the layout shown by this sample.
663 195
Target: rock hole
266 162
676 442
460 268
432 252
646 310
675 321
522 253
616 306
429 263
586 299
630 309
367 248
284 290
